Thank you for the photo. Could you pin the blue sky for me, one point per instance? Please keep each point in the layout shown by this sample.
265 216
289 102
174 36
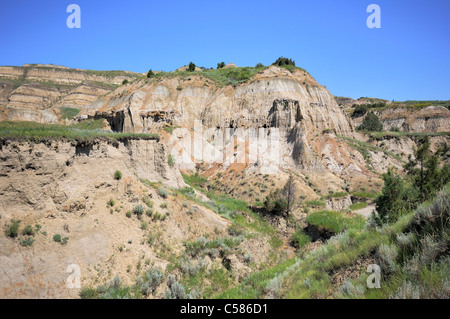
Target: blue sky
407 58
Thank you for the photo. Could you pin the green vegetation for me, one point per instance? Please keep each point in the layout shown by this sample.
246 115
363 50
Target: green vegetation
110 202
28 231
365 148
300 239
381 135
282 61
335 221
196 180
357 206
371 123
171 160
27 241
13 229
138 210
360 110
220 65
335 195
364 195
191 67
57 238
425 176
411 253
150 73
69 112
222 77
84 131
283 201
117 174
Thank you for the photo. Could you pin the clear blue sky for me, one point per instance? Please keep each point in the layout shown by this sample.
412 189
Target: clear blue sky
408 58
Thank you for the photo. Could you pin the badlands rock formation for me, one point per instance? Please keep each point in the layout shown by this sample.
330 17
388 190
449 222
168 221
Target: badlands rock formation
428 119
293 105
35 92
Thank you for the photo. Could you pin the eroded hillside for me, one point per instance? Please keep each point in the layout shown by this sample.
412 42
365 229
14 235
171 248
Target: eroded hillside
157 186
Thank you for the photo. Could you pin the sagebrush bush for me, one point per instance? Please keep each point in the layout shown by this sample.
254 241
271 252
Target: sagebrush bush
176 290
152 279
138 210
387 258
27 241
407 290
349 290
163 192
192 269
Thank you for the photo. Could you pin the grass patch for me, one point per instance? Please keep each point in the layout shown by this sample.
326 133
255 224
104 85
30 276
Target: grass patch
335 221
69 112
84 131
364 195
381 135
357 206
317 203
300 239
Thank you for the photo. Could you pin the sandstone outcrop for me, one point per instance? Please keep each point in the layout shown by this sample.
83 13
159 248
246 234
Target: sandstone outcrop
35 92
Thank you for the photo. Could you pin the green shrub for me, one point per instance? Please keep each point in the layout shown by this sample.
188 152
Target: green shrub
117 175
163 192
124 82
220 65
13 229
138 210
147 201
281 61
300 239
150 73
28 231
191 67
110 202
371 123
27 241
57 238
128 214
360 110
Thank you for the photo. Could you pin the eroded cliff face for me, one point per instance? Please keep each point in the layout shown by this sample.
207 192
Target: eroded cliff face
292 104
36 92
63 187
47 176
184 100
428 119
